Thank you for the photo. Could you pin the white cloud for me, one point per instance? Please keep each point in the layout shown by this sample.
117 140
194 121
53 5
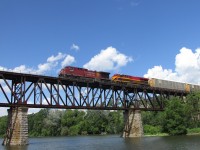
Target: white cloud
108 60
43 68
75 47
187 68
51 63
160 73
33 110
56 58
4 111
6 88
3 68
67 61
21 68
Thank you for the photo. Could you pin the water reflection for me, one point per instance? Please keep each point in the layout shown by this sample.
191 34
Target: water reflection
137 142
15 147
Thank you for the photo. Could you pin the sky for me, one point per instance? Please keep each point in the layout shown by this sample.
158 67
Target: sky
150 38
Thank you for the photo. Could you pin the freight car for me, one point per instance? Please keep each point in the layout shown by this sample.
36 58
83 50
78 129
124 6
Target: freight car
194 87
153 82
81 72
129 79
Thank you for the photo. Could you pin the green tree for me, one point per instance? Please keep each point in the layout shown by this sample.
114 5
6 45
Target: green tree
176 117
96 121
3 125
115 122
72 122
36 122
52 123
193 102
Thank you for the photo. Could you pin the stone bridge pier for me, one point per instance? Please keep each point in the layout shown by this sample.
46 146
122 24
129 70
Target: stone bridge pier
133 124
17 127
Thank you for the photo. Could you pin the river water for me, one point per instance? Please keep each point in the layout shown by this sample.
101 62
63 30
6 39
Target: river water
110 142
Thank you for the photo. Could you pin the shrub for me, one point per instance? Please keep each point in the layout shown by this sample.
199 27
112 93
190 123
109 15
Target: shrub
194 130
152 130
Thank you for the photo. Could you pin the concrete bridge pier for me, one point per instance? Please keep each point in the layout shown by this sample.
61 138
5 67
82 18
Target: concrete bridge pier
133 124
17 127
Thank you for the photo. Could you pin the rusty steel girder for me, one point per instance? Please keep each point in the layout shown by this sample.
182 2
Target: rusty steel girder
37 91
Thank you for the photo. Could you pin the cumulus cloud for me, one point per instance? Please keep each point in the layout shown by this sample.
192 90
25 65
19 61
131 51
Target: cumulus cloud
51 63
187 68
43 68
108 60
68 61
3 68
21 68
56 58
160 73
4 111
75 47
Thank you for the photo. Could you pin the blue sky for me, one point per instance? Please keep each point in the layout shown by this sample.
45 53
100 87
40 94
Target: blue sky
151 38
136 37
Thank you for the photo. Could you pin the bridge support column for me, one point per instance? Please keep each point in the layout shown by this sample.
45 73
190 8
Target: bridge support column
17 127
133 124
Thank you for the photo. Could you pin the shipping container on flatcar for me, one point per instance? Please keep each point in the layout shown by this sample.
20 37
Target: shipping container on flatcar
129 79
81 72
153 82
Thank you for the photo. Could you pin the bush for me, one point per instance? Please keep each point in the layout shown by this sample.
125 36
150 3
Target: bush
64 131
194 130
152 130
74 130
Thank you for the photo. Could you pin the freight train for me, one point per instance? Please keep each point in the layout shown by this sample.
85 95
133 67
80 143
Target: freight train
127 79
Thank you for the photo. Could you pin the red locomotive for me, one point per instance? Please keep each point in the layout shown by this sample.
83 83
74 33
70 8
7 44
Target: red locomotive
81 72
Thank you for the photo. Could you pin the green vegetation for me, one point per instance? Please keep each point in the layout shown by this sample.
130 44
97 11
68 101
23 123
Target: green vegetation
194 131
179 118
151 130
175 118
74 122
3 125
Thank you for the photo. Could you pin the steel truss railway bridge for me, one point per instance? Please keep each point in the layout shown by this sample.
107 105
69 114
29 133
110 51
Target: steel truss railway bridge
21 91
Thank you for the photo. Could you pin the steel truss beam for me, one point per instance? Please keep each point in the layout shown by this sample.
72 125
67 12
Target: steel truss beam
35 91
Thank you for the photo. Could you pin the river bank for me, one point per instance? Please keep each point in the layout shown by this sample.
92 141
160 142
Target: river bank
193 131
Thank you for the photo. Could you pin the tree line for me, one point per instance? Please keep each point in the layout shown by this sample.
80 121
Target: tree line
179 117
74 122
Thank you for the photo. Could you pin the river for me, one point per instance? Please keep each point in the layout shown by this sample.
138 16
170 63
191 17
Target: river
110 142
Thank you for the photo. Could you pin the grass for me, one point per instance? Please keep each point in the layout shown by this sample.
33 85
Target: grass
158 134
194 131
